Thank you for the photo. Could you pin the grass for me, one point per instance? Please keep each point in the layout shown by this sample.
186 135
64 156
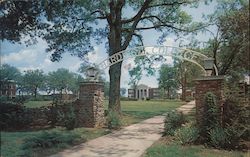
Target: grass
37 104
133 112
162 149
136 111
12 142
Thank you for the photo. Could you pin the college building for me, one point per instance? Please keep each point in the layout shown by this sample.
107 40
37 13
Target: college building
144 92
8 88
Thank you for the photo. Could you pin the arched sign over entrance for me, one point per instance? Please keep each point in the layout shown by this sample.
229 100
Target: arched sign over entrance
176 52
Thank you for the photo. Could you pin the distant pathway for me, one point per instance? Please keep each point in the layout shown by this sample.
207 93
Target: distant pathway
130 141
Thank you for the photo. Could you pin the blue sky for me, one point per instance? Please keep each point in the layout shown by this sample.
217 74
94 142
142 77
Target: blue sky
35 57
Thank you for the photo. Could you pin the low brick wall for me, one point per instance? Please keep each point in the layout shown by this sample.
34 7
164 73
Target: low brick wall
88 110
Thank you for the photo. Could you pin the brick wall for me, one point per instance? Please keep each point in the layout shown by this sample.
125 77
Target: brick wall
88 109
214 84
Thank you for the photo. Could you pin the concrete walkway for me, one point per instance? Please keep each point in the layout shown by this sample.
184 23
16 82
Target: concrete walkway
130 141
187 107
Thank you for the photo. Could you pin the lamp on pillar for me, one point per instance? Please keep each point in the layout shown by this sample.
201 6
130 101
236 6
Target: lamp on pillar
208 66
92 74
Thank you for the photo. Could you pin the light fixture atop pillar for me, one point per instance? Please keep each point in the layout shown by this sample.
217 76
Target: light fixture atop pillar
208 66
92 74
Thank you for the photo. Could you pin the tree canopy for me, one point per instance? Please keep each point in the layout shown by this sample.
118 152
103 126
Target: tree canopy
8 72
229 44
33 80
71 26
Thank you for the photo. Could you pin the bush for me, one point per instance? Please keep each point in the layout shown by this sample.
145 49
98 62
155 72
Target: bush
13 116
48 139
187 135
113 120
236 115
218 137
68 118
173 121
3 98
211 117
227 138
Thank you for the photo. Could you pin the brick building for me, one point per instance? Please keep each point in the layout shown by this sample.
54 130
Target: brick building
8 88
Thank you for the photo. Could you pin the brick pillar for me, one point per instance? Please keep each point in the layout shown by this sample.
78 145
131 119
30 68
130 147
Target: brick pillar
214 84
91 104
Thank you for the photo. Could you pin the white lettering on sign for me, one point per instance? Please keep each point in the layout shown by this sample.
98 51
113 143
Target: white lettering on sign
180 53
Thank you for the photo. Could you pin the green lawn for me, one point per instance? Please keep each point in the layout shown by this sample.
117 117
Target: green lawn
36 104
133 112
136 111
176 150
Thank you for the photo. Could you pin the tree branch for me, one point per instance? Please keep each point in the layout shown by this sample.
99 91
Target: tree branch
160 25
136 20
139 37
169 4
152 16
103 14
139 13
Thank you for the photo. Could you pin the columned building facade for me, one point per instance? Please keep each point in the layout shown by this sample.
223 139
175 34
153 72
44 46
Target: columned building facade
143 92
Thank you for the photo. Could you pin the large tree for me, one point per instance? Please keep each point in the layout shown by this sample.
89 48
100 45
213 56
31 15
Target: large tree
229 45
186 72
8 72
33 80
69 26
167 79
62 80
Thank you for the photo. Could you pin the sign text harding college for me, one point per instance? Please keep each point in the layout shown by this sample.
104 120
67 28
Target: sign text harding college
138 51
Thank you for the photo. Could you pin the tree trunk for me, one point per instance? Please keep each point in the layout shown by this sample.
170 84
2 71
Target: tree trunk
61 96
184 87
114 88
35 92
115 46
168 92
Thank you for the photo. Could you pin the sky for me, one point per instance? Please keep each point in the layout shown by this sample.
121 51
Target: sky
35 57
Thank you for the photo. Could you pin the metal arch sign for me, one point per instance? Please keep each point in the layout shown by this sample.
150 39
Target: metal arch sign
176 52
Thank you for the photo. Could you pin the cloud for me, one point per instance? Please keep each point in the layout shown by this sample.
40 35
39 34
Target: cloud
96 56
23 69
27 55
169 42
75 66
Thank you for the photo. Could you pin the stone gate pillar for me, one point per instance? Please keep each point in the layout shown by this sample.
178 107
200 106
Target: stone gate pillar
214 84
91 104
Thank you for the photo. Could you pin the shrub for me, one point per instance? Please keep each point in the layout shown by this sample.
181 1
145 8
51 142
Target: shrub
173 121
50 139
227 138
236 115
187 135
113 120
211 116
13 116
3 98
68 118
218 137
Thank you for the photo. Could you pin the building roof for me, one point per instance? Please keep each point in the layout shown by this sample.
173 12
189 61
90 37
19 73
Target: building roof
142 86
